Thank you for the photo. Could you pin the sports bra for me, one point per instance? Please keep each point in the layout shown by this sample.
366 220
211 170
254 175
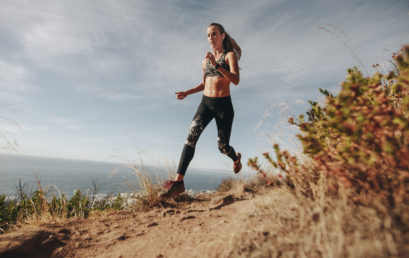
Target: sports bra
210 70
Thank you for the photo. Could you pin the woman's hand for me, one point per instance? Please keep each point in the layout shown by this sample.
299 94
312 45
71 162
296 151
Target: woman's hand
180 94
211 57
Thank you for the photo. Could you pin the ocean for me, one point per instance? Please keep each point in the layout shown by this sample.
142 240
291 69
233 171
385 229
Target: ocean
66 176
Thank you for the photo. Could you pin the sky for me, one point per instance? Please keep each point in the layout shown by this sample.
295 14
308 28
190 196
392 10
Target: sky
96 80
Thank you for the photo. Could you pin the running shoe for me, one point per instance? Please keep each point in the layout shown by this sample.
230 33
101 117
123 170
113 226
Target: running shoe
237 164
172 188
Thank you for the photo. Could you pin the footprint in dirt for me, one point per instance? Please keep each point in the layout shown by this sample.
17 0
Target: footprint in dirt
226 200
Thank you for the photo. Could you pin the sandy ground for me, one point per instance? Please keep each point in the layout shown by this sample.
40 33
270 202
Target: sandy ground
203 227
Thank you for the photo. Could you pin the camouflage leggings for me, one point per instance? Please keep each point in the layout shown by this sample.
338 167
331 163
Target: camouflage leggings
222 110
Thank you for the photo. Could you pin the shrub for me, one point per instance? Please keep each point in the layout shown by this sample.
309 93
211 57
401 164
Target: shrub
36 205
5 214
118 203
361 135
298 173
58 206
78 205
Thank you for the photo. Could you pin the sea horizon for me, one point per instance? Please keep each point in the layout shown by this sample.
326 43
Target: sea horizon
66 175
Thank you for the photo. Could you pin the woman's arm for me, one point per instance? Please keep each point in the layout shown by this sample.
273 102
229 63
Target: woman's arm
233 75
183 94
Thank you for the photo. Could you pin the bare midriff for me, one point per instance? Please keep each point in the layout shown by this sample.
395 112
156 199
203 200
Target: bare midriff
216 87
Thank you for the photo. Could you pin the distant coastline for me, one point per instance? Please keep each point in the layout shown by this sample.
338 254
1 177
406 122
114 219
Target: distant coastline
18 155
69 175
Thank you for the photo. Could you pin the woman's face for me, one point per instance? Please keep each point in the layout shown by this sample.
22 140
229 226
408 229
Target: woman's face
214 37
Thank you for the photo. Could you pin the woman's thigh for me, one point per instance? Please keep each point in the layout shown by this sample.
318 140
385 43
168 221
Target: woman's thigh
201 119
224 122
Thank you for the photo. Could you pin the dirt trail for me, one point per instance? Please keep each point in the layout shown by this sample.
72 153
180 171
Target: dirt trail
203 227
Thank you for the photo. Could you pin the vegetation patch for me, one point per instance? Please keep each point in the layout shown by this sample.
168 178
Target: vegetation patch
354 165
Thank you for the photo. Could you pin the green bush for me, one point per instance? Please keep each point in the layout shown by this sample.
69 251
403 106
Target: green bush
78 205
58 206
36 205
118 203
5 213
101 205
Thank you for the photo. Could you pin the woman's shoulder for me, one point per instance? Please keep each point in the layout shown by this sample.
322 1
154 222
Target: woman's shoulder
230 54
231 57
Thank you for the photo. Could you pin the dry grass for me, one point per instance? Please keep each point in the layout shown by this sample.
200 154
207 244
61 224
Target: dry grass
309 220
228 184
43 205
149 186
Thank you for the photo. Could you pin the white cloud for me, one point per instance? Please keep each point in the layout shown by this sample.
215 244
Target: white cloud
14 81
116 58
13 77
105 42
52 39
105 46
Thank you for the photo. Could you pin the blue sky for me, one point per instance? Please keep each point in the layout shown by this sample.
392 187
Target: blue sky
96 79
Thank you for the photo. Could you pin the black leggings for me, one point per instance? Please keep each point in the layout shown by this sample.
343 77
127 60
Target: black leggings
222 110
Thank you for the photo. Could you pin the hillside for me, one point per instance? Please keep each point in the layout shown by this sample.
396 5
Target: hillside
270 222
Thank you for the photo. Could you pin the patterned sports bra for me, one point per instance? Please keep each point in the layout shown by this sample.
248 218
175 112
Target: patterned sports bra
210 70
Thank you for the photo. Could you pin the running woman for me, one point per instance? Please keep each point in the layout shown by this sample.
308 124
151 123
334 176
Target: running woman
219 69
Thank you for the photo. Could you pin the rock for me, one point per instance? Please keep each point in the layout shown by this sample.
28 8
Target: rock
188 217
153 224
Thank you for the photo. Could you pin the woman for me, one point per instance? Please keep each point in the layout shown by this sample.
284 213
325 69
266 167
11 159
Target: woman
219 69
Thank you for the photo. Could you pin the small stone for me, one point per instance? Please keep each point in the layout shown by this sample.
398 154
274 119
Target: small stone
316 216
188 217
123 237
153 224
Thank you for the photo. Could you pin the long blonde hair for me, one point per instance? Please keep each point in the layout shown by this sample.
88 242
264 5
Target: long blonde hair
229 44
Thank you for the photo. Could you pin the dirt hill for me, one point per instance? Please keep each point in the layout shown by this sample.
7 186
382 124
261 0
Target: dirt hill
271 222
200 227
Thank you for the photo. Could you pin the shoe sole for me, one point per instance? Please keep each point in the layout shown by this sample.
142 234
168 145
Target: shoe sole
166 195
